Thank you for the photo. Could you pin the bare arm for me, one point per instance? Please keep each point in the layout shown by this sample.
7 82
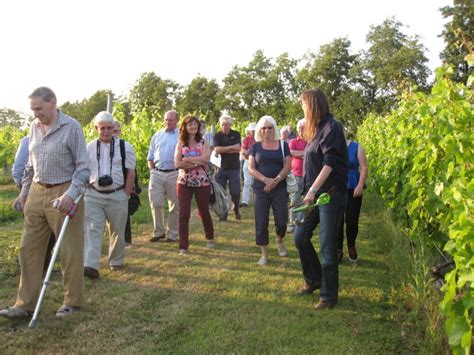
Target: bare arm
179 163
202 159
151 164
257 174
297 153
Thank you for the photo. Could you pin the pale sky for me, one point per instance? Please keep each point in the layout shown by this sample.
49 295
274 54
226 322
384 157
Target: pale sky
78 47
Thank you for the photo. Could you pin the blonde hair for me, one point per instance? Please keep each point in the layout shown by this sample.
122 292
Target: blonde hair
261 122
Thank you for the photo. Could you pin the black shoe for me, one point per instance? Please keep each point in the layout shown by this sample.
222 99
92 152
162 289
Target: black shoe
222 219
237 215
322 305
91 273
243 205
156 239
307 290
352 254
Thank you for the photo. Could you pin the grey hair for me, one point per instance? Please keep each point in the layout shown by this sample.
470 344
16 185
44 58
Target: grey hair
44 93
300 123
226 118
176 114
103 116
260 124
285 129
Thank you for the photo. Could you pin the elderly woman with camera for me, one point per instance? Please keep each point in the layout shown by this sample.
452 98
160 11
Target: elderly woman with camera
107 198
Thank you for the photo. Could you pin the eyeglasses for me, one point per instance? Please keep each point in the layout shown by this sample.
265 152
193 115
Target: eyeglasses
264 128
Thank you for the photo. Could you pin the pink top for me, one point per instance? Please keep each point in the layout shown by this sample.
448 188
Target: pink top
247 142
195 177
297 163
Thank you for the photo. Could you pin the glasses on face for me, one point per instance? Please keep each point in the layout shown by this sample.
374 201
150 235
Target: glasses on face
266 128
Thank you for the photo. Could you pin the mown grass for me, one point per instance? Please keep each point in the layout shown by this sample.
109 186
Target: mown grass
219 301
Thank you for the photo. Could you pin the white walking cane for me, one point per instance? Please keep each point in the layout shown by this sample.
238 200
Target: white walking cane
59 240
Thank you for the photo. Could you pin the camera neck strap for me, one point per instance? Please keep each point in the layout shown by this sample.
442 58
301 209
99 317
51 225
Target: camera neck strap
112 148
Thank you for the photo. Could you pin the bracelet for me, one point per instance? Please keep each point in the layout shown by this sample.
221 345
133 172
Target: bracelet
313 190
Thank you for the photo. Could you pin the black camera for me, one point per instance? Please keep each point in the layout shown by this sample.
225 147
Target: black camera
105 180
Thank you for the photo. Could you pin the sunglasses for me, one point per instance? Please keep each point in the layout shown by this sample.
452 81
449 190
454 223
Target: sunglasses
264 128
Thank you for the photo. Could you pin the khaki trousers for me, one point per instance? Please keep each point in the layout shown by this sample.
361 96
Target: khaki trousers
163 186
40 219
100 208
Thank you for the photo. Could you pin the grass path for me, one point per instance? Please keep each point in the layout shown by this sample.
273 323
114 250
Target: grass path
216 301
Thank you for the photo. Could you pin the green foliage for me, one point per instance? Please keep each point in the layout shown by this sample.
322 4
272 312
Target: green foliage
458 35
9 138
393 63
13 118
199 98
261 88
138 133
420 157
85 110
153 95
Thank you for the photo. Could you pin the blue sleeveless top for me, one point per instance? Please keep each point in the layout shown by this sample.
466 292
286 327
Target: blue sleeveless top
354 175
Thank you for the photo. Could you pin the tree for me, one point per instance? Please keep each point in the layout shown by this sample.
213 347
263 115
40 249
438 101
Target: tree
393 63
331 70
458 35
261 88
85 110
153 94
9 117
199 98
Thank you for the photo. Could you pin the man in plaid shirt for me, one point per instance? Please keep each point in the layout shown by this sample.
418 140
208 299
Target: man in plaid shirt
57 170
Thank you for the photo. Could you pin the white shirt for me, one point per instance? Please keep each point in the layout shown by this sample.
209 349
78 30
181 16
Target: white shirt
117 172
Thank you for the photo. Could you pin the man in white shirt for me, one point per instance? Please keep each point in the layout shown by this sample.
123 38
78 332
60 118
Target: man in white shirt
107 198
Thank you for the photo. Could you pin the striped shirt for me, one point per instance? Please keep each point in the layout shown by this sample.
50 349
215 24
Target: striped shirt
57 157
162 147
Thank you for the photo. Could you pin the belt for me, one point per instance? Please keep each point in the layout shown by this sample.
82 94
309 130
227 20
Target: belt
108 191
48 186
166 170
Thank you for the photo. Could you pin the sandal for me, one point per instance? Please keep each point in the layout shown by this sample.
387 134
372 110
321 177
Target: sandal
66 310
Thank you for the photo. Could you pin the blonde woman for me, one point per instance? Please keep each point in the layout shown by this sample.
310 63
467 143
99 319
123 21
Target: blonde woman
269 165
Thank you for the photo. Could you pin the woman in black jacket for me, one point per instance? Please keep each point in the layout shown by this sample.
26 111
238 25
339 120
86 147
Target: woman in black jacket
324 170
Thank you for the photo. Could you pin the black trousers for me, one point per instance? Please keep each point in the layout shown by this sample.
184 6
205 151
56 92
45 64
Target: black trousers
351 219
128 231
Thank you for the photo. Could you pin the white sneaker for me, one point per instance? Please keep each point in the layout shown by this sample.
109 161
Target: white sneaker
290 228
262 261
211 243
183 252
282 249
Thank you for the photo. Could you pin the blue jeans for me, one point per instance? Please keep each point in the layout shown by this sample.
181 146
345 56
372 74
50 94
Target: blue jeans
326 274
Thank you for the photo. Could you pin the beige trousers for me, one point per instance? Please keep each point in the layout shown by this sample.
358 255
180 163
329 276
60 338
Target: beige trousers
163 186
40 219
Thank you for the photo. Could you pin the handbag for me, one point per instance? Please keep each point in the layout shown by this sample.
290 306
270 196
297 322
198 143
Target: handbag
291 184
212 195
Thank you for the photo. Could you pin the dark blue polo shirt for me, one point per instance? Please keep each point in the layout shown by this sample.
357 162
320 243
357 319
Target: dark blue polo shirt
229 161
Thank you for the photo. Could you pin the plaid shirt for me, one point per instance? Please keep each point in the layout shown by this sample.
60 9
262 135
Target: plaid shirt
57 157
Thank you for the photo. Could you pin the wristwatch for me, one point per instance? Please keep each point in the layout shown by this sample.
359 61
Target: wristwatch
313 190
